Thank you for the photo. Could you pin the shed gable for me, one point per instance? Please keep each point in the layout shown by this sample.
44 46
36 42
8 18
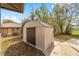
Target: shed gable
36 24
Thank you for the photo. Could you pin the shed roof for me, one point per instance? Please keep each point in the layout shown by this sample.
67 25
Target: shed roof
11 25
44 24
39 22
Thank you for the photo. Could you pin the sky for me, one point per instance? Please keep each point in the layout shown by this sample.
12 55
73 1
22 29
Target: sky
18 17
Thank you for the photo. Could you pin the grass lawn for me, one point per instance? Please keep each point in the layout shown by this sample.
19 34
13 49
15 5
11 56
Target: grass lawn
74 32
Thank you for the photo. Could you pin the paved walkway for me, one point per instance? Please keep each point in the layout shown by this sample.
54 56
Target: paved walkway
65 48
74 43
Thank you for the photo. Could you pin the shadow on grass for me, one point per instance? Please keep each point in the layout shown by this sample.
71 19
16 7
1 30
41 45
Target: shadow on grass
22 49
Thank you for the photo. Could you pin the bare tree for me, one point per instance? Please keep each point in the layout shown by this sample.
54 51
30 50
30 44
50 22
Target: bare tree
65 14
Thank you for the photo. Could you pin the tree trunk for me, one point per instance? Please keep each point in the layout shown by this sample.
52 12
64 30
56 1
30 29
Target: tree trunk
67 28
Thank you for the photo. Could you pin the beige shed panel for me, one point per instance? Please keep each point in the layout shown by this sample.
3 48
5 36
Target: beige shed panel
43 34
49 37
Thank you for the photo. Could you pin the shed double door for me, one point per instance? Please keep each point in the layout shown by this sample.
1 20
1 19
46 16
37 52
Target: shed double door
31 36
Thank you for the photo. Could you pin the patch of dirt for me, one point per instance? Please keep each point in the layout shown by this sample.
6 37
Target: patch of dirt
22 49
16 47
6 42
62 38
76 36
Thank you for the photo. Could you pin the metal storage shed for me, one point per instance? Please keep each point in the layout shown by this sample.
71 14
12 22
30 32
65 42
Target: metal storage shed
38 34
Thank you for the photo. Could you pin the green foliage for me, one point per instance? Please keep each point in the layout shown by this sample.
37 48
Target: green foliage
74 32
42 13
60 16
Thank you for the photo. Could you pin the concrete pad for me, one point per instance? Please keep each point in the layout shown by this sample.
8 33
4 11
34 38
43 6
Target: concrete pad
61 49
73 42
